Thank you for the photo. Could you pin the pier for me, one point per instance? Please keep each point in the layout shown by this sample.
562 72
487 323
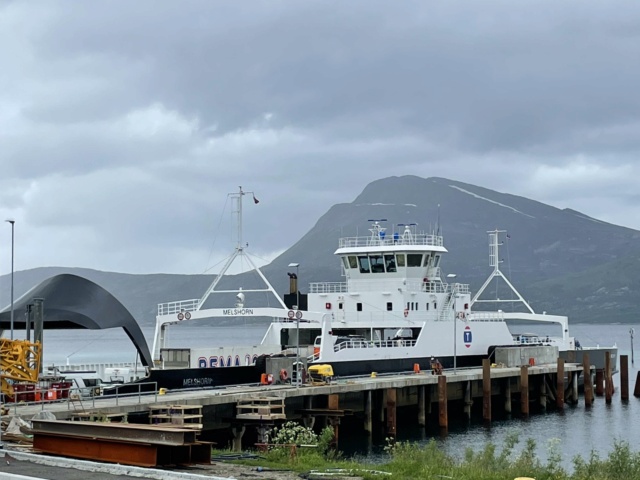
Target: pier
241 416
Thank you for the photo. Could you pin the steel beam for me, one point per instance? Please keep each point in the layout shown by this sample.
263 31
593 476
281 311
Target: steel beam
131 433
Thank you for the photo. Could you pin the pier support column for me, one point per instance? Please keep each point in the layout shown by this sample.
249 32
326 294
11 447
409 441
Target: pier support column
624 377
333 404
427 395
608 380
391 411
468 400
237 432
543 393
636 389
442 402
588 386
524 390
368 412
309 421
486 390
599 382
560 384
507 395
574 387
421 407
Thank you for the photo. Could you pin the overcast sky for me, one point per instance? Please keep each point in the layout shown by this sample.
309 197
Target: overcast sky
123 125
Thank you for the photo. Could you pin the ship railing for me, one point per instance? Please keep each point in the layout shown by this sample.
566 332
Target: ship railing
374 344
328 287
486 316
459 288
172 308
391 240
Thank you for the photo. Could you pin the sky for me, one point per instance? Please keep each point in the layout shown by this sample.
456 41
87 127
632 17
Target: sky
124 125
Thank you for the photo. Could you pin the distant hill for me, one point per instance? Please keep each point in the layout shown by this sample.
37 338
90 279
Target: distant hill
561 260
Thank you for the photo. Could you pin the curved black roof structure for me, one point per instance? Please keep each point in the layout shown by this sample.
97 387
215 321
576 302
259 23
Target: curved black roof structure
71 301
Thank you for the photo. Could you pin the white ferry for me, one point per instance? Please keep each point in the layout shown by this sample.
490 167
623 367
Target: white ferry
394 310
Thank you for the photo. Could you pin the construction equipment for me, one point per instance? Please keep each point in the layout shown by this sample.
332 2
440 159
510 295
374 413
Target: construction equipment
320 374
20 363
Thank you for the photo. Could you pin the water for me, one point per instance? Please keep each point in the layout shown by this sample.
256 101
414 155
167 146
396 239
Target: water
574 431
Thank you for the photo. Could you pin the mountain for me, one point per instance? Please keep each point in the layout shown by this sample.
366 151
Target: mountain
561 261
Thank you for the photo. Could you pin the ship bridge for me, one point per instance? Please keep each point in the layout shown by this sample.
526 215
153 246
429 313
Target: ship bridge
379 257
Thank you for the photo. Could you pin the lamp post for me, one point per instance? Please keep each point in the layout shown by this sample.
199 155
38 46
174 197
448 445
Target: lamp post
454 289
297 308
12 222
631 332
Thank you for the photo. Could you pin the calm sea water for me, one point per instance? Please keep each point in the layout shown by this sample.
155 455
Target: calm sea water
575 431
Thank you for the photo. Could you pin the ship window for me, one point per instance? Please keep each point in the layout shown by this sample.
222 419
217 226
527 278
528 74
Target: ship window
340 306
346 263
390 262
426 260
364 264
400 259
353 261
427 305
389 306
408 305
414 260
377 266
359 307
436 261
435 306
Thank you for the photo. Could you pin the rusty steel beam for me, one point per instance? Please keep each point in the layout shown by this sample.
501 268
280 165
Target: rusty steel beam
137 454
130 433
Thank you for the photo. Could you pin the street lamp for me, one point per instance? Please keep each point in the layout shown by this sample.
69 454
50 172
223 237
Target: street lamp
12 222
297 308
454 289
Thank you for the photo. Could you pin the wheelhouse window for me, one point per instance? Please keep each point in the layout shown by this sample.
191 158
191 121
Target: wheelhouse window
359 307
389 306
377 265
414 259
345 262
400 259
364 264
436 261
425 262
353 261
390 262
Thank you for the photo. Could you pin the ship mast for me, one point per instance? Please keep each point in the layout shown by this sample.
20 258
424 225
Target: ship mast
494 261
239 251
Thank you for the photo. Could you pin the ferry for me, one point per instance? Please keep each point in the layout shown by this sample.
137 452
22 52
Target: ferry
394 310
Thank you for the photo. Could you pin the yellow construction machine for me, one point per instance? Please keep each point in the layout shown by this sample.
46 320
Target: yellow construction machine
20 363
320 374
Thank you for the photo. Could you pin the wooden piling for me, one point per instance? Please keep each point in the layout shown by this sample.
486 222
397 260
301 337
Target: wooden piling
636 389
599 382
391 411
574 388
608 380
560 384
427 394
368 412
333 403
624 377
507 395
588 385
421 407
524 390
486 390
442 402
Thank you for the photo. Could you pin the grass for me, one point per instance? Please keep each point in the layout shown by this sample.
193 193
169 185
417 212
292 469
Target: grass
412 461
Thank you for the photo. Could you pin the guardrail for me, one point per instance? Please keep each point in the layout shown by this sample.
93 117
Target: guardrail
79 396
